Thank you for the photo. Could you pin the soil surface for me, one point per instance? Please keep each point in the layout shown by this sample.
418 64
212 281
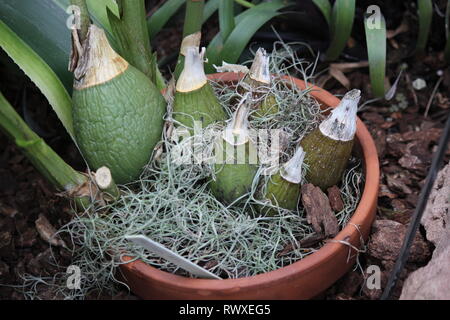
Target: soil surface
405 132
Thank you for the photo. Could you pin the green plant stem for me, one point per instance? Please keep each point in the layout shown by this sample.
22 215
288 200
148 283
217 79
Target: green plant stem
193 21
194 17
226 18
46 161
106 183
245 3
85 21
131 33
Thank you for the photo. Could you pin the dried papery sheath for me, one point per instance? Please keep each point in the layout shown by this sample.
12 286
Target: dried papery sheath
194 97
292 170
98 62
283 188
235 159
259 71
230 67
193 75
341 124
117 111
328 147
258 82
236 133
192 40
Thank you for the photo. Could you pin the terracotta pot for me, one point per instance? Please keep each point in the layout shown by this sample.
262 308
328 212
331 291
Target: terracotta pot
303 279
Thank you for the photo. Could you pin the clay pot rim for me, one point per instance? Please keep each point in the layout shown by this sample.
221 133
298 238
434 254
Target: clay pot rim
363 214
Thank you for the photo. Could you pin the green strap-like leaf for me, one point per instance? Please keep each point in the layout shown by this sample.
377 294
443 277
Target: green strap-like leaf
241 35
226 18
159 19
247 23
324 7
97 10
40 73
341 27
425 12
210 7
375 27
193 20
42 24
245 3
161 16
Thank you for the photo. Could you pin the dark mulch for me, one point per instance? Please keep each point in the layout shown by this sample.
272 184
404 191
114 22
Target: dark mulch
405 141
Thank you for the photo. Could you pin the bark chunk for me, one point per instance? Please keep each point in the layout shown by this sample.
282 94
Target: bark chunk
318 210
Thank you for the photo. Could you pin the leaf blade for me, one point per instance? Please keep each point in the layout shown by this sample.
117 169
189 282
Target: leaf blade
97 10
376 49
325 8
42 26
50 40
341 27
161 16
40 73
425 12
216 45
226 18
210 7
241 35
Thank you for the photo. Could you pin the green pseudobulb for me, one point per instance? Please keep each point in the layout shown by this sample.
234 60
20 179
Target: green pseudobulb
198 105
283 188
195 99
329 147
117 111
281 193
236 159
268 106
325 158
258 82
233 178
